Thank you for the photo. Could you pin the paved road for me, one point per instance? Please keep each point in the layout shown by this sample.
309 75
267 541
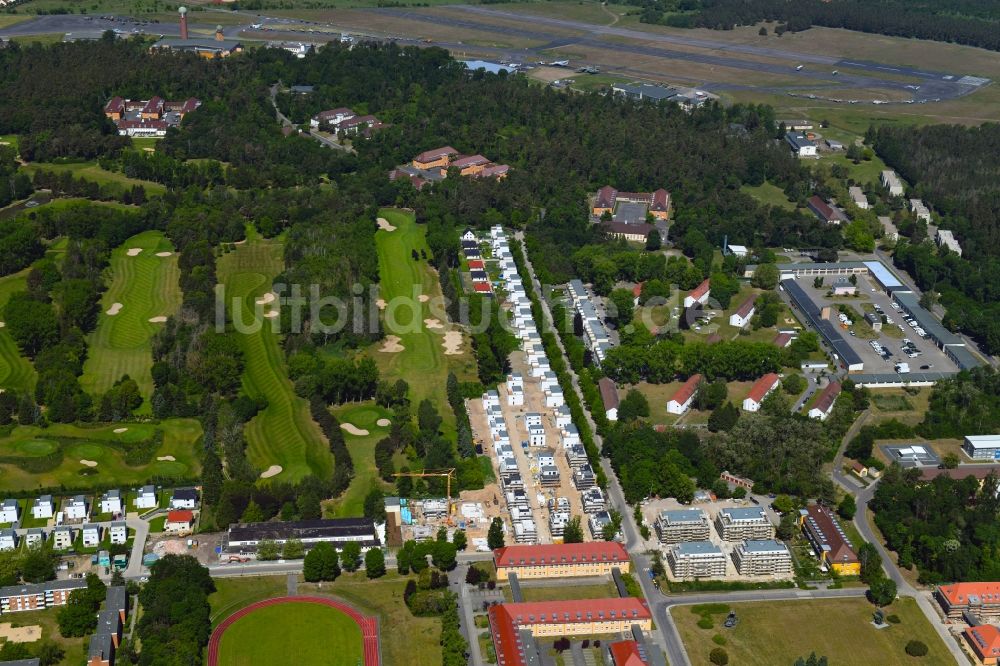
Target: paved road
466 605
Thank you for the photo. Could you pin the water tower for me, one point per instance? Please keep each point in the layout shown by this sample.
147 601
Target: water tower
184 21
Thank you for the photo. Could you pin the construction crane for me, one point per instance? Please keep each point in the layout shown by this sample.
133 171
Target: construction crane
448 473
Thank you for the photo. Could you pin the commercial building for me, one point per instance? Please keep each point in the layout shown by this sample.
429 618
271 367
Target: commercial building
38 596
818 319
892 183
515 624
762 558
683 398
696 559
979 599
631 207
985 643
740 523
828 540
591 558
687 100
824 403
982 447
682 525
244 538
801 145
760 390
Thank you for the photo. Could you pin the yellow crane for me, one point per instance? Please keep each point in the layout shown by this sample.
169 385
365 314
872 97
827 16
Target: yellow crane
448 473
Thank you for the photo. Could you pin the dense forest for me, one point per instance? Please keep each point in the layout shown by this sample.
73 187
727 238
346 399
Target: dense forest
971 22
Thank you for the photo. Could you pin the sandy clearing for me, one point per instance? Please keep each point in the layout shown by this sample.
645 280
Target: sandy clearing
352 429
266 298
114 309
383 423
28 634
423 298
166 458
119 431
452 343
271 315
273 470
164 254
133 251
88 463
380 304
392 345
157 320
433 323
384 224
2 324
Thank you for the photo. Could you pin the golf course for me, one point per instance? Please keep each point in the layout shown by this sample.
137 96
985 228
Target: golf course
283 434
364 416
16 372
143 291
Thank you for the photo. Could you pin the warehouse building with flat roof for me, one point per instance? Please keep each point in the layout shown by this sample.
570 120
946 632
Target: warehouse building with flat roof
243 539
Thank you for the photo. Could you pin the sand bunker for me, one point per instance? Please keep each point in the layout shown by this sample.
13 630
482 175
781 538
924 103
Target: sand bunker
423 298
133 251
352 429
383 423
14 634
384 224
89 463
273 470
157 320
114 309
392 345
164 254
119 431
2 324
166 458
433 323
380 303
272 314
452 343
269 297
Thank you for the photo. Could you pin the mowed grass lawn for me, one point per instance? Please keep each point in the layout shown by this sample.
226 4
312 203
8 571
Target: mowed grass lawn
93 172
304 634
422 363
769 194
780 632
365 416
147 286
16 372
284 433
181 439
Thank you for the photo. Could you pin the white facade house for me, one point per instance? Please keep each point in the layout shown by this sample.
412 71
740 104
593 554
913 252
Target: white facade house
760 390
536 435
945 238
737 250
8 539
515 396
744 313
563 417
111 501
699 294
35 537
62 538
892 183
10 511
146 498
858 197
683 398
43 507
91 535
801 145
920 210
184 498
75 508
532 418
119 532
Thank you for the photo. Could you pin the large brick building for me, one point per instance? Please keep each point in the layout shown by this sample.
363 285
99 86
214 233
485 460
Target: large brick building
592 558
583 617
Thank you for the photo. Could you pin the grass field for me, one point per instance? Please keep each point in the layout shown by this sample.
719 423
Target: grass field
284 433
565 592
287 633
779 632
75 650
93 443
16 372
422 363
91 171
147 286
769 194
362 449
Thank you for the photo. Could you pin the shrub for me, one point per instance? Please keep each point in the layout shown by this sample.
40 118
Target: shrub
893 619
705 622
718 656
719 639
916 648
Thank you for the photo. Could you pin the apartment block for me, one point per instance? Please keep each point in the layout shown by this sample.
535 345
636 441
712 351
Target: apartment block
682 525
762 557
738 524
696 559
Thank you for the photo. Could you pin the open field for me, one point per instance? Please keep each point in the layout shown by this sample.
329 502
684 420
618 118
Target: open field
68 445
16 372
284 433
779 632
146 286
74 649
402 281
91 171
286 633
365 416
769 194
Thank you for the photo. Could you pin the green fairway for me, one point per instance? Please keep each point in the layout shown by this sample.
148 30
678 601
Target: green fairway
147 286
68 444
303 634
284 433
362 449
779 632
91 171
16 372
422 363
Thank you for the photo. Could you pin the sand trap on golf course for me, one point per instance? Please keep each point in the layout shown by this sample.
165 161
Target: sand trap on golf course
88 463
157 320
2 324
164 254
114 309
380 304
272 314
119 431
133 251
352 429
392 345
452 343
266 298
384 224
383 423
166 458
423 298
273 470
432 323
28 634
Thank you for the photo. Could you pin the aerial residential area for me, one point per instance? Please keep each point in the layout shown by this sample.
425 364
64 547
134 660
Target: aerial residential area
527 334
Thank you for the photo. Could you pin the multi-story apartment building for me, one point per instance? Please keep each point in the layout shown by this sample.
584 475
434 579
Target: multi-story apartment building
757 557
696 559
682 525
740 523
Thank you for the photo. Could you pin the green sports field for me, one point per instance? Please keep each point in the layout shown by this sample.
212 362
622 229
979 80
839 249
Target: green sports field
303 634
365 416
147 286
101 445
284 433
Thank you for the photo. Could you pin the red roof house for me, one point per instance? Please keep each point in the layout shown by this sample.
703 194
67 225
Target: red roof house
782 340
559 554
680 402
626 653
482 288
824 403
760 390
699 294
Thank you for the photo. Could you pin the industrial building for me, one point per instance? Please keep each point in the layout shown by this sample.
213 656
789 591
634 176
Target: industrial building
696 559
756 557
828 330
682 525
244 538
740 523
982 447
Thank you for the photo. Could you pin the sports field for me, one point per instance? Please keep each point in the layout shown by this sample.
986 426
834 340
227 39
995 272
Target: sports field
780 632
81 457
16 372
284 433
411 290
146 287
364 416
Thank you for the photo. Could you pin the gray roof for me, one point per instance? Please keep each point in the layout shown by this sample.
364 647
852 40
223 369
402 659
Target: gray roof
118 523
825 327
116 598
43 499
206 44
147 489
114 492
9 503
22 662
185 494
41 588
109 621
878 378
646 91
683 516
964 358
8 532
763 546
101 646
697 548
927 321
745 513
798 140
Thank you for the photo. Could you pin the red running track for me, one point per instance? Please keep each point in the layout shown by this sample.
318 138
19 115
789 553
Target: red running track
369 625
